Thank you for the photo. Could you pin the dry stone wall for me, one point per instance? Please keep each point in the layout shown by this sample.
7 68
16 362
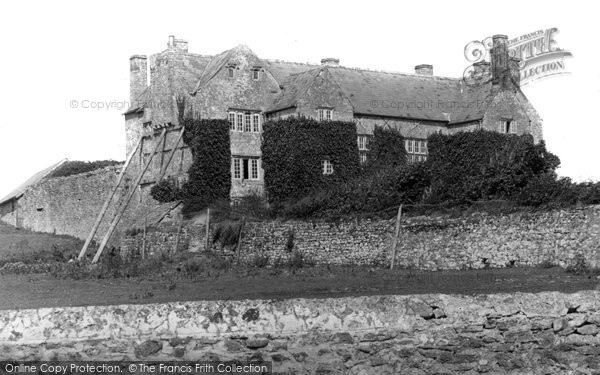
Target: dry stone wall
428 243
541 333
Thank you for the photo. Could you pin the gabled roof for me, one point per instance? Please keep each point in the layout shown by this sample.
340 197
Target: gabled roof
294 87
281 70
16 193
218 62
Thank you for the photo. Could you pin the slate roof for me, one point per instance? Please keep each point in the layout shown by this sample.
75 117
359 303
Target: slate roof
16 193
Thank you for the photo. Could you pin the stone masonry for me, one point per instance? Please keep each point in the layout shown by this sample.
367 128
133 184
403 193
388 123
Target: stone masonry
545 333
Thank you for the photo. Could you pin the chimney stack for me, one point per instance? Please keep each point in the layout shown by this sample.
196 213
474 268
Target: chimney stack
424 70
138 76
178 45
515 70
330 61
500 61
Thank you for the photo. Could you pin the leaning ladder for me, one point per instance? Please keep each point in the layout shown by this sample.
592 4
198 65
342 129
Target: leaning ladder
123 206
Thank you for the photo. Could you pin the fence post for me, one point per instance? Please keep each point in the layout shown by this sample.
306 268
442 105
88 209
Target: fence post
207 229
144 238
178 234
239 240
396 234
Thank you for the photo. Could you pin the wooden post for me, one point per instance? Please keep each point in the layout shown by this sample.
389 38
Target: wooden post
178 234
163 169
144 238
239 241
207 229
396 234
123 206
16 213
107 203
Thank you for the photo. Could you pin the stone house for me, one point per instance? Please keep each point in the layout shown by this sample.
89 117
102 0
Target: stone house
240 86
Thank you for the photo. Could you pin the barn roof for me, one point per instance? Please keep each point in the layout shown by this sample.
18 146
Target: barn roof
16 193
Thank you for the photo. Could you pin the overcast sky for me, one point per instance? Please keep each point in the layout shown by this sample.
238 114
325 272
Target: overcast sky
58 52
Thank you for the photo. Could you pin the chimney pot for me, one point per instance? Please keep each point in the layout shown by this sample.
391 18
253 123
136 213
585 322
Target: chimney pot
330 61
424 70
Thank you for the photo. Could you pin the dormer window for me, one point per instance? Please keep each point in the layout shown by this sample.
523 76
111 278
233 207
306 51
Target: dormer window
325 114
230 71
256 74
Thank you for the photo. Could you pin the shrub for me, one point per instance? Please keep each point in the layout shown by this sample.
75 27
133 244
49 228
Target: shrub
364 194
209 176
76 167
226 233
547 189
294 149
166 191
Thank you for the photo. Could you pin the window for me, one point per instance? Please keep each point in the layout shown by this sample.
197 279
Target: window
254 169
237 172
256 74
327 167
230 72
256 123
325 114
416 150
363 142
247 123
363 157
508 126
231 120
245 168
240 122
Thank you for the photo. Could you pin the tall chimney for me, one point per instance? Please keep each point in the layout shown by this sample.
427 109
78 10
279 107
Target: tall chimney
330 61
515 70
500 61
424 70
178 45
138 76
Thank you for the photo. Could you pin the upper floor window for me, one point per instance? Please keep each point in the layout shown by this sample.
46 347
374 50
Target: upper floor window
416 150
325 114
256 74
256 123
230 71
231 120
240 122
247 123
508 126
244 122
327 167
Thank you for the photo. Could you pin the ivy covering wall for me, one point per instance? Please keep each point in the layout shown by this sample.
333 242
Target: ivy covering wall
209 176
484 165
293 152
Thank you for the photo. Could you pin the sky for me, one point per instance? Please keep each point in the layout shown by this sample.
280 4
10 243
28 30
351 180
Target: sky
59 53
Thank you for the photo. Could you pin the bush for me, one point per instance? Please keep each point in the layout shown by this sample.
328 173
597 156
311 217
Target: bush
294 149
166 191
365 194
209 176
76 167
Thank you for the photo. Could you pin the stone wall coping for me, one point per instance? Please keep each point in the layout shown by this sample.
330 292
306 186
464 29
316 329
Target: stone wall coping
244 318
